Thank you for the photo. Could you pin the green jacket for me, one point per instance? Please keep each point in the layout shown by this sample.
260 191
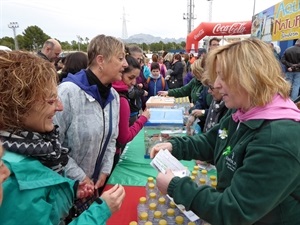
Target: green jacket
34 194
258 177
192 89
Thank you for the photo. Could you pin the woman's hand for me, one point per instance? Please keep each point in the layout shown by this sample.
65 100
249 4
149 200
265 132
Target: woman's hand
114 197
198 112
163 181
146 113
85 189
162 93
160 146
189 125
101 180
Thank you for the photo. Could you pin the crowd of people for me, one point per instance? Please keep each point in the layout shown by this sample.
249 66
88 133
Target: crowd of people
64 122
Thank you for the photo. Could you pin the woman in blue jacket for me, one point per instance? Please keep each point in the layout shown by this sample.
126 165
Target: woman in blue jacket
255 150
36 192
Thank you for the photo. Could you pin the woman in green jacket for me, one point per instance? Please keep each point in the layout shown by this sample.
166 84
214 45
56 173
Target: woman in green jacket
255 150
193 88
36 192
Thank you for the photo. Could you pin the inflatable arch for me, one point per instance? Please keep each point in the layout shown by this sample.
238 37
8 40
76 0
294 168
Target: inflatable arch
216 29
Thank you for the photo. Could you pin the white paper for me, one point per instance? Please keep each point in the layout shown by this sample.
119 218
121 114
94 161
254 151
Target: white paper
164 160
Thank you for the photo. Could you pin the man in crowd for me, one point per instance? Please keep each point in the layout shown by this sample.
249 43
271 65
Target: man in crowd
213 43
51 50
291 60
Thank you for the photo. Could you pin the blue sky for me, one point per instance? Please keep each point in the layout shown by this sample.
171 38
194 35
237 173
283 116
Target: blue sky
66 19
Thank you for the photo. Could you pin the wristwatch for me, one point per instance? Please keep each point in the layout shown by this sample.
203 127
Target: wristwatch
203 112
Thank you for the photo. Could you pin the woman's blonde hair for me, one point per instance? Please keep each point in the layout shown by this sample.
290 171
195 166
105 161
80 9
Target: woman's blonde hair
249 65
107 46
169 57
197 68
205 79
24 79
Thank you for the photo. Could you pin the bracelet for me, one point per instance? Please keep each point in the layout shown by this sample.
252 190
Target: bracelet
203 112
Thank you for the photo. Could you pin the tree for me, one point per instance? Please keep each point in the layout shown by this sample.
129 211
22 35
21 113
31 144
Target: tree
66 46
34 38
20 39
8 42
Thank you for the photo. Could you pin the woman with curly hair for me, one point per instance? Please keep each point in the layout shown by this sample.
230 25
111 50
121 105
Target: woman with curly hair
37 191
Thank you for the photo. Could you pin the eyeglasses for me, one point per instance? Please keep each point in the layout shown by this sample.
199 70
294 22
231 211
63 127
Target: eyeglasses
211 87
215 45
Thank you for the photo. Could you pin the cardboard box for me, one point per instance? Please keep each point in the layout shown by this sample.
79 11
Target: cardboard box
160 102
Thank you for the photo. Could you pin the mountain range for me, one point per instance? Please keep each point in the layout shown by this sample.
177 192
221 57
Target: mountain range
148 39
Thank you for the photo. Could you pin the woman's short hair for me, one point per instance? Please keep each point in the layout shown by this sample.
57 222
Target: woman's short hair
205 79
197 69
177 57
249 65
132 48
107 46
25 79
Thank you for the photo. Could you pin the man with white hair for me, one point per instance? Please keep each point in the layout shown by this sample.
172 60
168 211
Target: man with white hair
291 59
51 50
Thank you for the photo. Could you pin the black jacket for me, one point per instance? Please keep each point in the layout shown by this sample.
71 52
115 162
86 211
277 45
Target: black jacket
291 58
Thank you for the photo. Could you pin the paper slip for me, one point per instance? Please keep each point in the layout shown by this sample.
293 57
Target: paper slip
163 161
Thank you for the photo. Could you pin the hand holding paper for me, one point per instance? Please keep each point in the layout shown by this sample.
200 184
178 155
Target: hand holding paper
156 148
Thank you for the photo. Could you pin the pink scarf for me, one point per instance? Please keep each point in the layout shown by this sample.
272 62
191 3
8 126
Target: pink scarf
279 108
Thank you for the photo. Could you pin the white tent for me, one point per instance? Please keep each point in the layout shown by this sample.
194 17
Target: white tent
2 47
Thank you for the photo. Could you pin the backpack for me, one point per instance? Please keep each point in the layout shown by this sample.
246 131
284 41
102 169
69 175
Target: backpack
163 82
132 105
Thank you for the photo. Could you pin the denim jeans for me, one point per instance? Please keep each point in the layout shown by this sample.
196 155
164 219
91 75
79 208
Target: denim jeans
294 79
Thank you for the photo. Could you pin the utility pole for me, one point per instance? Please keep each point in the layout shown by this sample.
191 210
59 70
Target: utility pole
210 10
254 2
14 25
189 16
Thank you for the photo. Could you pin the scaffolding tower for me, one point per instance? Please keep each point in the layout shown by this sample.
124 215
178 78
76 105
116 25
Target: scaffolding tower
124 26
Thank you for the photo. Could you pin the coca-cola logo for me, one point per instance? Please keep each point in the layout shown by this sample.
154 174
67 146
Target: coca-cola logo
235 28
200 33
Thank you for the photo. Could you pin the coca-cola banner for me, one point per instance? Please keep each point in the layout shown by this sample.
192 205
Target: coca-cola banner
280 22
216 29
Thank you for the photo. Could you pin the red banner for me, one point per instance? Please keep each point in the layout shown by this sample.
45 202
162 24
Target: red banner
216 29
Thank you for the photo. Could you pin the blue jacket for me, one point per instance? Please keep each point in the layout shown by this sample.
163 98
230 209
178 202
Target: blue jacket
156 85
34 194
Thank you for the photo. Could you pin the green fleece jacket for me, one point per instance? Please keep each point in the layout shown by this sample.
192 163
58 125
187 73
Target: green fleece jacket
258 164
192 89
34 194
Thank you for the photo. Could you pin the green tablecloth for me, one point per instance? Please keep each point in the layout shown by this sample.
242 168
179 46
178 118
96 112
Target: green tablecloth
133 169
